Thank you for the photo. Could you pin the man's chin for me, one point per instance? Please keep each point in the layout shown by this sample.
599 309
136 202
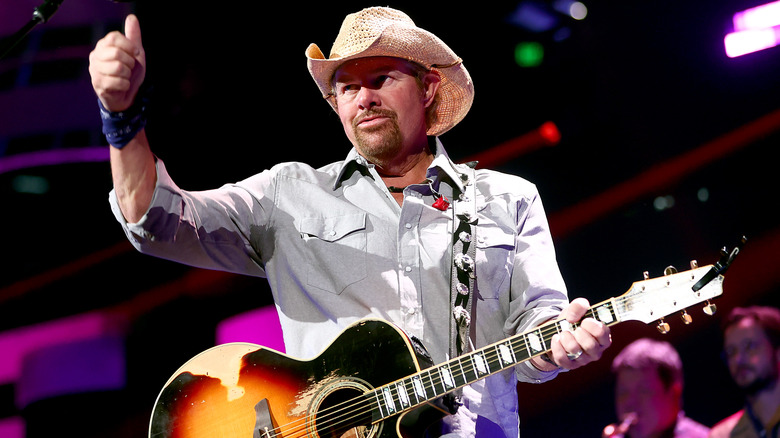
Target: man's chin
378 144
378 155
753 385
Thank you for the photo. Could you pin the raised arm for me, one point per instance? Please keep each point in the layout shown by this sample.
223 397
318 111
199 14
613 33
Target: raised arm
117 66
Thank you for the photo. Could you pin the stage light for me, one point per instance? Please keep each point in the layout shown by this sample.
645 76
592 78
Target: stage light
759 17
534 17
529 54
703 194
544 136
755 29
12 427
661 203
259 326
36 185
574 9
749 41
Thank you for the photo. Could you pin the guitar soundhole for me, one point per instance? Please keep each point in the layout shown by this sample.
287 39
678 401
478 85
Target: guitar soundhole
344 412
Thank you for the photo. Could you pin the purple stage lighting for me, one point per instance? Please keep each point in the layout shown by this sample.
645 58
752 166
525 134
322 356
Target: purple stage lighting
755 29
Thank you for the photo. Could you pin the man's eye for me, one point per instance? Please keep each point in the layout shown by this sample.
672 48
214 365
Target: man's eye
381 80
348 88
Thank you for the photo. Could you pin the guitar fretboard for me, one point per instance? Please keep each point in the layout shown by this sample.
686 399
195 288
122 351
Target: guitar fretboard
431 383
646 301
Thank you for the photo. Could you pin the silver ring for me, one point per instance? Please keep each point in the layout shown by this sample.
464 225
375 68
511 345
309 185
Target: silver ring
574 356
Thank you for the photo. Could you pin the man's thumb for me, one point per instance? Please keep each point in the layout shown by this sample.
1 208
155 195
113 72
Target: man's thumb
133 31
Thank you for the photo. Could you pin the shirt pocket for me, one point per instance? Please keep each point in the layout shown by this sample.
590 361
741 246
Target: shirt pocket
336 250
495 247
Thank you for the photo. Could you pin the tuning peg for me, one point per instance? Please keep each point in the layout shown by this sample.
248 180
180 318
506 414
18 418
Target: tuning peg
687 319
646 275
669 270
694 264
710 308
663 327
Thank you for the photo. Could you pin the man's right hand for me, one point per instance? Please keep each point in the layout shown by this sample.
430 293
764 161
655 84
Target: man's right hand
117 66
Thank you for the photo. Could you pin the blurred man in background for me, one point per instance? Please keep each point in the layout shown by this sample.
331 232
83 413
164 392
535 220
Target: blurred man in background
751 346
648 394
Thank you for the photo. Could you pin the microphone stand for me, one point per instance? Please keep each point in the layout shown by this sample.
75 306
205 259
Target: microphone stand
41 14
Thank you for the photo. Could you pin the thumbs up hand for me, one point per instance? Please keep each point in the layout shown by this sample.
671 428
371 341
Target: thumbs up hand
117 66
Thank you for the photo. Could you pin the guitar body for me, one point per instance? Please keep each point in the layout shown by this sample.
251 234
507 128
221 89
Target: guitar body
243 390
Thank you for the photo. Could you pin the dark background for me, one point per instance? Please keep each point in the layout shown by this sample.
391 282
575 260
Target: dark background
647 103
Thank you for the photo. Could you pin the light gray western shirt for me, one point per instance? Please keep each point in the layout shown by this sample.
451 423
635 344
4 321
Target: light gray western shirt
336 247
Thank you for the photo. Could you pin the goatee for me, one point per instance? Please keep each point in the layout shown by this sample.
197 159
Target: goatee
378 144
756 385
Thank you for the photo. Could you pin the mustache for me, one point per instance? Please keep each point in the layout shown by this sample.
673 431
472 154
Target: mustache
374 112
744 369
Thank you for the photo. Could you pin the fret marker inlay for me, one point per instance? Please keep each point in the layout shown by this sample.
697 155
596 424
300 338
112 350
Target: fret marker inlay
479 364
390 404
446 377
418 388
403 396
506 354
604 314
533 340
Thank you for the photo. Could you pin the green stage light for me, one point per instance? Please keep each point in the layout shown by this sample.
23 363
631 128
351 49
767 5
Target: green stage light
529 54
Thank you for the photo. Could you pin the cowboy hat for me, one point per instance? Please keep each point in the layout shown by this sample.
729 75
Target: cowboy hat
381 31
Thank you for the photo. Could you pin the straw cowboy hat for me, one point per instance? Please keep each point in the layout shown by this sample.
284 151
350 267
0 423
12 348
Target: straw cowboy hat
383 31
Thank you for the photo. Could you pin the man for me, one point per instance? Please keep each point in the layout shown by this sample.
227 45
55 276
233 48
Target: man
372 235
648 393
751 346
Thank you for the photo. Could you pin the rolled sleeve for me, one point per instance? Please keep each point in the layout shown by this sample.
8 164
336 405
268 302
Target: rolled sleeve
202 229
166 195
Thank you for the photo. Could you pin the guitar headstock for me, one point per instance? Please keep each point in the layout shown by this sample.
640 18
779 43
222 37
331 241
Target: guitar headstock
656 298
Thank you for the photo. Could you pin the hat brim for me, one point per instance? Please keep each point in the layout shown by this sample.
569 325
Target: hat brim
456 91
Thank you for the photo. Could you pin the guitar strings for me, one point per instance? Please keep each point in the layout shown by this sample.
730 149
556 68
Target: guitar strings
357 407
490 354
617 306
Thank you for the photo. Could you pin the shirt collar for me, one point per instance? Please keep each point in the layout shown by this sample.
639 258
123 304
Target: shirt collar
442 165
353 160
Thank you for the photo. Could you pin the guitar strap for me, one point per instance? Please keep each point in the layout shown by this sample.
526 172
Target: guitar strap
463 273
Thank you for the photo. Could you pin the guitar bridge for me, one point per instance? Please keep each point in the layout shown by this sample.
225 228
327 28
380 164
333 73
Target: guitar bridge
264 426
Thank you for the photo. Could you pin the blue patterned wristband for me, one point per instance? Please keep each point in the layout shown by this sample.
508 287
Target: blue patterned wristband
121 127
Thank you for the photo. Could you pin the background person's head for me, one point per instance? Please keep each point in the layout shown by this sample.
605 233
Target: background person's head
751 347
649 384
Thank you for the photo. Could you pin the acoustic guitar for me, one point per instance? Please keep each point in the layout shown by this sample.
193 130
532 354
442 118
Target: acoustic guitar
371 380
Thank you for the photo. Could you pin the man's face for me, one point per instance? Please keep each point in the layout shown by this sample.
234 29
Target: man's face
381 105
642 392
752 361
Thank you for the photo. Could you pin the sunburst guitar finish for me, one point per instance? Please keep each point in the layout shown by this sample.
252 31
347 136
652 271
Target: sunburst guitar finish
242 390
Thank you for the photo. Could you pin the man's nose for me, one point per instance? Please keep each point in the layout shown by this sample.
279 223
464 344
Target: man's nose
627 402
368 98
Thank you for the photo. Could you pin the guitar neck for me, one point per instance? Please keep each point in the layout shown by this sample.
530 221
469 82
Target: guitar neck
431 383
646 301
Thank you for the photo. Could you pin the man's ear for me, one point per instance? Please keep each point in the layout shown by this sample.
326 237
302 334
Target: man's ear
677 388
431 83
